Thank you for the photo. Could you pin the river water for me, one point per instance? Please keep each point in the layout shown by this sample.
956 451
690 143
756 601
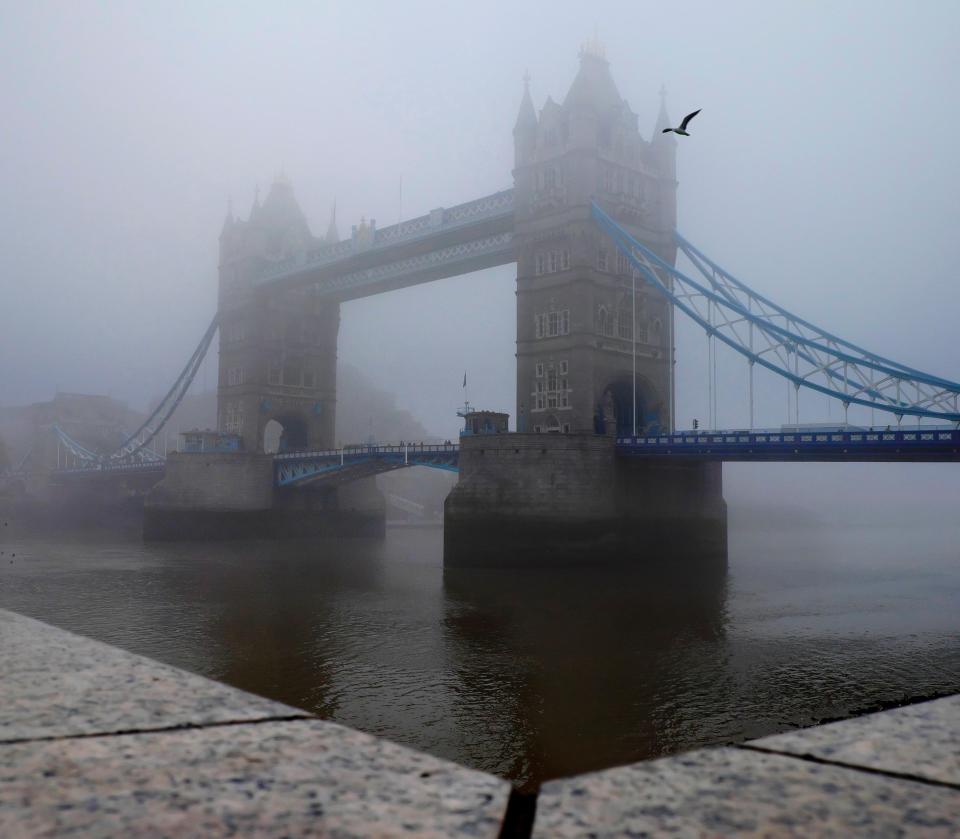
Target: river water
528 675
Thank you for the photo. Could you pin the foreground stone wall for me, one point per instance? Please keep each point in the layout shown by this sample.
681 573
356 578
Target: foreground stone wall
95 741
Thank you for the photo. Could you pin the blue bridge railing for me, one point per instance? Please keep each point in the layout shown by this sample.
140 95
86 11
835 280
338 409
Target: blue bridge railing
927 443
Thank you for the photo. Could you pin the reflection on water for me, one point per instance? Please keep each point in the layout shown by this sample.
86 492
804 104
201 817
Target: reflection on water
529 675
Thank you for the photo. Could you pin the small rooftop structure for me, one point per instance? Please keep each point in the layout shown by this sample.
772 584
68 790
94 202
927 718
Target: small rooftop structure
476 421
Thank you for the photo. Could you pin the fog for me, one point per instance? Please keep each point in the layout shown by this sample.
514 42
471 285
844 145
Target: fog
822 171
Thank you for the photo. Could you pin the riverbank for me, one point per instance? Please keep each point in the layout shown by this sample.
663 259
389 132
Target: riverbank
96 740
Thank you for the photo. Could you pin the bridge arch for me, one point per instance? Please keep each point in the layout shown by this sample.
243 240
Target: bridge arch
284 433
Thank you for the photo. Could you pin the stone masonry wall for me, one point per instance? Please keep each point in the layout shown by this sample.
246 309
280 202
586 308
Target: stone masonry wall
215 482
567 476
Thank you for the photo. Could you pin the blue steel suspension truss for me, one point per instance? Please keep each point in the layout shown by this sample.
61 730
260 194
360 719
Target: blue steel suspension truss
793 348
133 450
298 469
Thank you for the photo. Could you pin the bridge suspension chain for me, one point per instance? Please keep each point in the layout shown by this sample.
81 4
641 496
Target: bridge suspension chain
793 348
134 448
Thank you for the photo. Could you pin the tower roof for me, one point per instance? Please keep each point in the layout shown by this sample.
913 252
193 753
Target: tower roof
593 85
280 208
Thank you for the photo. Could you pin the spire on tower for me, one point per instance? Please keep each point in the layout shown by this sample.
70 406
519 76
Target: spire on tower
663 121
332 235
527 116
228 221
256 201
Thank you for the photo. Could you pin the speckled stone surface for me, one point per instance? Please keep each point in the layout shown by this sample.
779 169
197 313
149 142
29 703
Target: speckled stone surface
737 792
922 740
55 684
300 778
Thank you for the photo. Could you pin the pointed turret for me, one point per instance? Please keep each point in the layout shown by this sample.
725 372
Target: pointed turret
256 203
664 146
525 129
663 121
332 236
228 221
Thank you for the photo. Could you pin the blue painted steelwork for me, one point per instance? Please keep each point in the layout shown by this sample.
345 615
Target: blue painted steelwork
768 335
301 468
927 443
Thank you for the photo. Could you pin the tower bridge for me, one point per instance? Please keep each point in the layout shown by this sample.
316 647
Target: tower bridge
590 222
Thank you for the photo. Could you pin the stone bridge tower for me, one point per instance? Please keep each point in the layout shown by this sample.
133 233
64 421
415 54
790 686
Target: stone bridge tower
575 319
278 351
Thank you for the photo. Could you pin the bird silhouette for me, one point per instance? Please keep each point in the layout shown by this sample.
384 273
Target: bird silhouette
683 125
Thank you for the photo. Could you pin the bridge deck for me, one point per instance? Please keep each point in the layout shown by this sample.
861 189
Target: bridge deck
925 444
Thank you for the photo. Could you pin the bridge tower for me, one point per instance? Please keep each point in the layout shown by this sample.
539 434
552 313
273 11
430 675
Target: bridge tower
575 308
278 350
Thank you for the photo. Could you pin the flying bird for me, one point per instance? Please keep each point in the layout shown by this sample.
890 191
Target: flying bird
683 125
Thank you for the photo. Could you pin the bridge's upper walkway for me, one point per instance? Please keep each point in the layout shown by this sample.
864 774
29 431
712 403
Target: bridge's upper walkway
443 243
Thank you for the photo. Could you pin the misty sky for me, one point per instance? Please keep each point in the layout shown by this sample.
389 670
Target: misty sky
823 171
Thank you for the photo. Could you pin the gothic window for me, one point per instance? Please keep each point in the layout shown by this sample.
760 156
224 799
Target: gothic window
563 369
566 428
539 369
562 382
565 322
540 403
541 264
602 318
601 259
553 324
607 179
551 400
564 260
291 374
540 387
541 321
551 379
235 376
536 429
641 335
554 262
564 399
625 324
623 264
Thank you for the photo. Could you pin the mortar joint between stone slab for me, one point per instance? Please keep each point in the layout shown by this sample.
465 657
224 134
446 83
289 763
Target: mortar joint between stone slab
188 726
870 770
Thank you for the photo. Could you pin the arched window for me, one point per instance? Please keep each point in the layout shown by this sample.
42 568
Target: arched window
602 318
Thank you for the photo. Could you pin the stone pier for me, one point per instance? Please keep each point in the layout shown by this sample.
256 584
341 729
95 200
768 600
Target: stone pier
548 498
231 495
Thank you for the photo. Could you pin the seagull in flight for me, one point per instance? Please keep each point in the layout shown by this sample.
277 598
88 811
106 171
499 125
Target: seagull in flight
683 125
